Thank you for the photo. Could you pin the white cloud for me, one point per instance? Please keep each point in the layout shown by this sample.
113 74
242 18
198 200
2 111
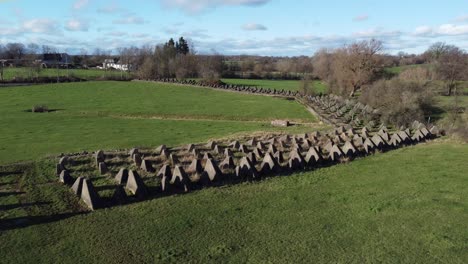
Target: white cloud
422 31
77 25
361 18
130 20
197 6
40 25
450 29
79 4
111 9
254 27
463 18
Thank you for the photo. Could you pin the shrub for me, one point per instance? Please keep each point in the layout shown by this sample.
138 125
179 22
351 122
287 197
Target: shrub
399 102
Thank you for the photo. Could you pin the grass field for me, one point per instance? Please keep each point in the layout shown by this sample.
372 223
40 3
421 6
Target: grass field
90 74
398 69
108 115
404 206
292 85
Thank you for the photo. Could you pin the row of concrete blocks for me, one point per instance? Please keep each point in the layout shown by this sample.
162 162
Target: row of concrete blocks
177 179
233 87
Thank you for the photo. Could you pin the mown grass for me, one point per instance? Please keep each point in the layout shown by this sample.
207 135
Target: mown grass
292 85
91 74
111 115
404 206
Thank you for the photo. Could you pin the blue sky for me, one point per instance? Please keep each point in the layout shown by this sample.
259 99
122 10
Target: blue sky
260 27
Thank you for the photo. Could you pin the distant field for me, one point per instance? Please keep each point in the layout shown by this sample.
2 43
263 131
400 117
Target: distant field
11 73
94 115
292 85
397 70
406 206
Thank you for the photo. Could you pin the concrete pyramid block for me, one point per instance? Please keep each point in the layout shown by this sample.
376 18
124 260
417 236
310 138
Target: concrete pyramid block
258 152
335 153
147 166
165 171
378 141
164 154
179 180
195 166
137 159
211 145
159 149
133 151
246 169
207 156
368 145
89 195
136 185
122 176
173 159
64 161
349 149
243 149
227 163
252 157
102 167
279 157
65 177
217 149
272 149
59 168
313 156
261 146
228 153
235 144
296 161
252 142
77 187
269 164
211 171
190 147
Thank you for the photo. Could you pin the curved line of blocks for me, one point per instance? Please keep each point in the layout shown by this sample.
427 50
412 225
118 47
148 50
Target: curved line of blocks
215 162
236 162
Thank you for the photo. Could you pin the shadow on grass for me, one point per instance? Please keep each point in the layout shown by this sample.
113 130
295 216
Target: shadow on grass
21 205
4 194
48 111
21 222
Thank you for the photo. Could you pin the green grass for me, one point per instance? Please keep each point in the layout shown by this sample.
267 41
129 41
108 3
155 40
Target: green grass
112 115
405 206
292 85
24 72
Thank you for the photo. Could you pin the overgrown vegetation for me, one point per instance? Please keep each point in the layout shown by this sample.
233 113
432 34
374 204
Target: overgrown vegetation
399 102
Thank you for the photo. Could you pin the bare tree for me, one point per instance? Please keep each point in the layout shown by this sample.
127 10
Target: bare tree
356 65
450 64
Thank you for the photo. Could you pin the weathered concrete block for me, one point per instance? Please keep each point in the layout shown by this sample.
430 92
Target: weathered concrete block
147 166
122 176
102 167
78 186
136 185
65 177
165 171
280 123
211 172
89 195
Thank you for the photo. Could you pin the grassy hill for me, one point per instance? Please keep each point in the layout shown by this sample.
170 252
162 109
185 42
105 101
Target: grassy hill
409 205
